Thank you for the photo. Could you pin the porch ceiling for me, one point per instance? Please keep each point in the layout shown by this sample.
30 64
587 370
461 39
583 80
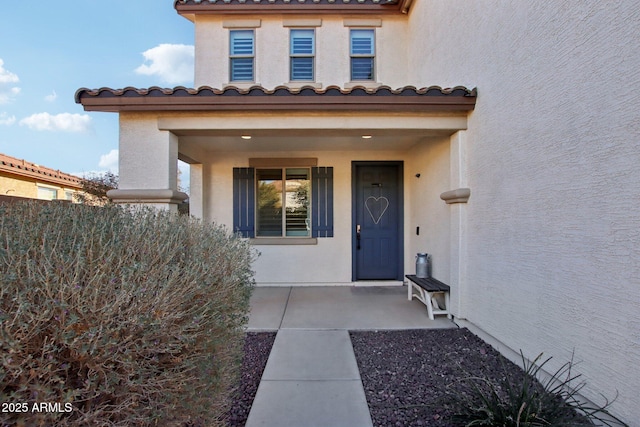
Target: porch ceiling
308 140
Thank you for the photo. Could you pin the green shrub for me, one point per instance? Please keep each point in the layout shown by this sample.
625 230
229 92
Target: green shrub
134 318
526 401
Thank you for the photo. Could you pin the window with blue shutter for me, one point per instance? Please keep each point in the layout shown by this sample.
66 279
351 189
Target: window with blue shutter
362 51
302 55
242 55
295 221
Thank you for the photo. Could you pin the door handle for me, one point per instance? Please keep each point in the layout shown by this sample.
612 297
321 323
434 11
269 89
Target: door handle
358 237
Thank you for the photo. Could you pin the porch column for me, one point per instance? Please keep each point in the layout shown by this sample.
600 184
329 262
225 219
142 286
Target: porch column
196 193
148 161
457 198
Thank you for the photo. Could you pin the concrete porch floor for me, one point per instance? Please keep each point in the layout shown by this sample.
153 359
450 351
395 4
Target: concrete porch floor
339 307
311 378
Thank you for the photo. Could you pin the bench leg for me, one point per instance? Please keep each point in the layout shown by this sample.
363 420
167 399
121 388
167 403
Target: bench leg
427 301
423 296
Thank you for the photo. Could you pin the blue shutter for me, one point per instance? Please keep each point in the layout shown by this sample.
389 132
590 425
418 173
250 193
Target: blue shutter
322 202
244 201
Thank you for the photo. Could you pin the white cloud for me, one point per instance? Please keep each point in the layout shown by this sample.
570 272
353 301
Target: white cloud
65 122
109 161
172 63
7 92
7 76
52 97
6 120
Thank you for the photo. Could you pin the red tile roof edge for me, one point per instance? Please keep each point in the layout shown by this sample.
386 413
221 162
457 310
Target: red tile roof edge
257 98
292 6
24 168
156 91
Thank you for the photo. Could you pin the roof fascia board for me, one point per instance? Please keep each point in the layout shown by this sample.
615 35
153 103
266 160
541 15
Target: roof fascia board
188 10
409 103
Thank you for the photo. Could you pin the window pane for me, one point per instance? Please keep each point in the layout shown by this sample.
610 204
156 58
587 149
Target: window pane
302 52
302 42
242 69
269 215
302 69
362 42
361 68
46 193
298 195
242 42
242 53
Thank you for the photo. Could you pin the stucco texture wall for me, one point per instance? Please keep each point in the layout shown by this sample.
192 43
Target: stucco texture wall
10 186
272 49
553 148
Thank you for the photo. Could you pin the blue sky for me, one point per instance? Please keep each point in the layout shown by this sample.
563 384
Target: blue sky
50 49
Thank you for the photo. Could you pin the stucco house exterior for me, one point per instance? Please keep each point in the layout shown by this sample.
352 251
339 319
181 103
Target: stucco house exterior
343 137
20 178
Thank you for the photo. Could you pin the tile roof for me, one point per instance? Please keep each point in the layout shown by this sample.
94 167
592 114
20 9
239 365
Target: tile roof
285 6
249 2
23 168
359 98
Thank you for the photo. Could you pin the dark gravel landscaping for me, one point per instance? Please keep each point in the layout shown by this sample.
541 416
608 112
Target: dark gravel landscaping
410 377
257 347
421 377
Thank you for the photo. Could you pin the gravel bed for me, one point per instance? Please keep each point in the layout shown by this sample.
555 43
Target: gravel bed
410 377
407 375
257 346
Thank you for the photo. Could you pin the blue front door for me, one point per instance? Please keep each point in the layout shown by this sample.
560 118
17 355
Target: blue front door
377 234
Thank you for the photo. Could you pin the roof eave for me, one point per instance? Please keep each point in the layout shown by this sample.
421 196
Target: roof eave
392 7
434 104
432 99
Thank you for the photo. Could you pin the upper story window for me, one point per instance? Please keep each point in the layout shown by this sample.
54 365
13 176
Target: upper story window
242 55
302 55
362 51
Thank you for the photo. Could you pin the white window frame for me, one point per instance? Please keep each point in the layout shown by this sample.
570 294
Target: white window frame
48 189
242 56
295 55
370 55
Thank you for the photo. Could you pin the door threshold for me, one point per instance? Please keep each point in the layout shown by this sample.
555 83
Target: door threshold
378 283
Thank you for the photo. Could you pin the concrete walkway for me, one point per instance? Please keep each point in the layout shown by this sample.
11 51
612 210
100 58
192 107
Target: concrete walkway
312 378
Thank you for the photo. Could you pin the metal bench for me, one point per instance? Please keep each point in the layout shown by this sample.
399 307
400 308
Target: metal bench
425 290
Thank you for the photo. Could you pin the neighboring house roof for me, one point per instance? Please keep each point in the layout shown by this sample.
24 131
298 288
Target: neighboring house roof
189 7
256 98
22 168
